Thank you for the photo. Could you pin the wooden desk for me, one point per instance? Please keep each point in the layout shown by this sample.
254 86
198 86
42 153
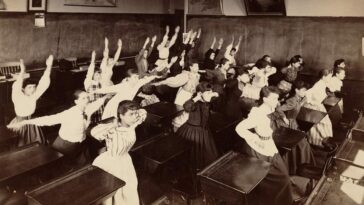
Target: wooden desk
162 111
26 159
164 150
358 130
233 177
287 138
306 118
331 104
89 185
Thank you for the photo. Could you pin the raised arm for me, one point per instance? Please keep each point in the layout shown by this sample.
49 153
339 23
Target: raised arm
237 46
42 121
105 55
165 39
174 37
213 43
140 54
228 48
219 46
90 72
118 51
173 60
152 45
18 84
45 80
188 36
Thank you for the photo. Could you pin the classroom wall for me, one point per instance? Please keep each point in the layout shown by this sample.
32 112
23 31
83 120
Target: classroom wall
319 40
67 35
347 8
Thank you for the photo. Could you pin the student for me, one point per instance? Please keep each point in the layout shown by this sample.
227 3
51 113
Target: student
126 90
91 83
339 63
302 62
107 64
196 130
231 51
141 60
290 72
315 97
219 75
289 111
74 121
25 94
276 186
336 83
210 55
120 137
187 82
147 93
163 48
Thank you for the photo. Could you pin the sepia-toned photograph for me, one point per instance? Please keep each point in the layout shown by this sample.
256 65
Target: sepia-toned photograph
181 102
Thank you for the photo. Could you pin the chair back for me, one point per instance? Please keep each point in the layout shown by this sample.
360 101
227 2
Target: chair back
9 68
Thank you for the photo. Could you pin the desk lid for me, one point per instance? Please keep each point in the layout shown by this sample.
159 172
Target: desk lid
84 186
287 138
310 115
237 172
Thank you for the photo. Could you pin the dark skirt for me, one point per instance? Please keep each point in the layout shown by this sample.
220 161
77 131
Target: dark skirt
28 133
301 154
275 188
74 152
203 150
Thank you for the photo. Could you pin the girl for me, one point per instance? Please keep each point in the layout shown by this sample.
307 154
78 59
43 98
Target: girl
290 72
120 137
141 60
24 96
196 130
315 96
107 64
210 55
231 51
276 186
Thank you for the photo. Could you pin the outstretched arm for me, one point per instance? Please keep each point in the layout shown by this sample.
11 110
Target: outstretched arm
152 45
90 72
140 55
174 82
45 80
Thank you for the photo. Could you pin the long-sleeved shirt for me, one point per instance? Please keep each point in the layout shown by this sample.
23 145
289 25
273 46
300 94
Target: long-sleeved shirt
124 91
142 62
259 121
227 55
335 84
25 105
72 120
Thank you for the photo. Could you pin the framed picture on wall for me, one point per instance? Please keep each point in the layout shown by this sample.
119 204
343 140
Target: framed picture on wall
265 7
37 5
96 3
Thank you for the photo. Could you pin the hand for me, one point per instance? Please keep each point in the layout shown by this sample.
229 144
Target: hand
106 53
193 36
214 40
199 32
93 56
214 94
174 59
286 120
120 43
22 66
240 38
183 53
176 30
154 38
49 61
106 42
198 97
167 29
16 125
147 41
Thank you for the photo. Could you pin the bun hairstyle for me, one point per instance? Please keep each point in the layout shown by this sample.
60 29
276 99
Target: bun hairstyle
324 72
338 62
29 81
204 86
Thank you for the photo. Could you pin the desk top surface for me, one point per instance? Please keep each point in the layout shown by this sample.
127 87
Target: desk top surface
85 186
163 109
287 138
310 115
351 152
25 159
360 124
237 172
164 149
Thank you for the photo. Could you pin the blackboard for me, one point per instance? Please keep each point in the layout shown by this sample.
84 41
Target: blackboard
320 40
74 35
